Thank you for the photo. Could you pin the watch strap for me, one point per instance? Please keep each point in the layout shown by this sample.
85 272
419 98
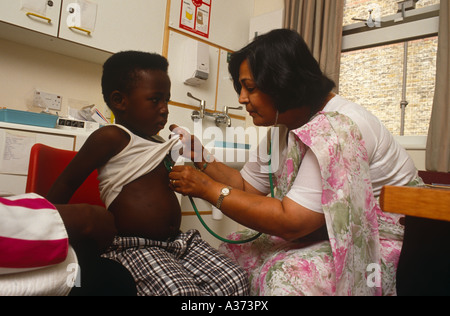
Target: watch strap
222 197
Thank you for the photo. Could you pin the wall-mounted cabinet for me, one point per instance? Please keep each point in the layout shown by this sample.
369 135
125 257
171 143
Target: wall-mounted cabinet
106 25
41 16
119 25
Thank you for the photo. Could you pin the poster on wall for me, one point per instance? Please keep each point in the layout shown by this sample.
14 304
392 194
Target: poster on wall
195 16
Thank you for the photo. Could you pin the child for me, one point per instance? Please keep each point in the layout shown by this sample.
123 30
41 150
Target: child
134 185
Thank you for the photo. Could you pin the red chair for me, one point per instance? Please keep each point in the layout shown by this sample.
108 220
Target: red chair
47 163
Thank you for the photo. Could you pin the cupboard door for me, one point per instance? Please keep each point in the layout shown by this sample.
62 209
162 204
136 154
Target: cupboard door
115 25
38 15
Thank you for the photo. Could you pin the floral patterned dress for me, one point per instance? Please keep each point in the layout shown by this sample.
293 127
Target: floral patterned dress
361 255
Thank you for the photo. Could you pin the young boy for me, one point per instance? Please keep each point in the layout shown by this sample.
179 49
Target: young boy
134 185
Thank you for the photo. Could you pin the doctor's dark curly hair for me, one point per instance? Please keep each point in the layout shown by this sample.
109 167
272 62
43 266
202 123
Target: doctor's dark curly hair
283 68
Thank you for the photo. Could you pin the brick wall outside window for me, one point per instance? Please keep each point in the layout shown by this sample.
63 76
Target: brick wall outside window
373 77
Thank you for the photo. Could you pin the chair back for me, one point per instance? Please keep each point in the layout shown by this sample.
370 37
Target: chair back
47 163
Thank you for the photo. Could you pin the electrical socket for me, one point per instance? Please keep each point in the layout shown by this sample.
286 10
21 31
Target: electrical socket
47 100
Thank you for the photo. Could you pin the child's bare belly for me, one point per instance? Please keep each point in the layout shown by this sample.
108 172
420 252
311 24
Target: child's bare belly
148 208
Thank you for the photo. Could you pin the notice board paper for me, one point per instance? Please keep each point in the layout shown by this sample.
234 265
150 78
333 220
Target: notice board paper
196 16
15 152
35 6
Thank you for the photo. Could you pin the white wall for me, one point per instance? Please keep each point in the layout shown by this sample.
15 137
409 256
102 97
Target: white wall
266 6
24 69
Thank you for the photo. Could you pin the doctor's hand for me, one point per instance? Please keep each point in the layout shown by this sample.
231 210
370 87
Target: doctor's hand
192 147
189 181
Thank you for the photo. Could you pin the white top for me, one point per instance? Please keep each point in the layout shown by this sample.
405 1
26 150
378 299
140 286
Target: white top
389 163
138 158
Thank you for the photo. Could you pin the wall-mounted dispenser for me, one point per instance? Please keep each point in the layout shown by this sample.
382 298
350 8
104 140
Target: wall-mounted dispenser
195 63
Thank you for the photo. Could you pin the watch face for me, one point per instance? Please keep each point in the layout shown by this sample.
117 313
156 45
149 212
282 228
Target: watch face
225 191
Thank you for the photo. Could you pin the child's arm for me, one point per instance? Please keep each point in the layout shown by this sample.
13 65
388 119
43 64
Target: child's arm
101 146
88 226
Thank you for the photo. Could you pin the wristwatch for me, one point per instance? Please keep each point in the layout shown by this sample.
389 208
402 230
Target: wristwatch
224 193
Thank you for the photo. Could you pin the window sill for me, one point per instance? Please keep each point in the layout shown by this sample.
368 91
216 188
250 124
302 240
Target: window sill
412 142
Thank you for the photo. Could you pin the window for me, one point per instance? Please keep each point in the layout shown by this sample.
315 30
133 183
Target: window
373 76
359 8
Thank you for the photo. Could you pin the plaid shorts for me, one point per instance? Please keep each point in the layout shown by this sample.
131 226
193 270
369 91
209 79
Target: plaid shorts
185 266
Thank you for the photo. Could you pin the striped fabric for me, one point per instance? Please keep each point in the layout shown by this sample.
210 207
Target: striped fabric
32 234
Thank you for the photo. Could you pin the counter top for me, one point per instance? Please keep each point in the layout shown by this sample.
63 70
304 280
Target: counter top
46 130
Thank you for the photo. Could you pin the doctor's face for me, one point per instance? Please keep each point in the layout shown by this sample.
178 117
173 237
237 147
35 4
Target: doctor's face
259 105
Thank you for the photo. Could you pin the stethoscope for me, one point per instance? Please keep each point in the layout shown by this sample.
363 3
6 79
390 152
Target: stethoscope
169 165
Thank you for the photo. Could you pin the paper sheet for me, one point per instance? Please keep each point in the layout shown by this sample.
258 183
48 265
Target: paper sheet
88 14
15 152
35 6
83 14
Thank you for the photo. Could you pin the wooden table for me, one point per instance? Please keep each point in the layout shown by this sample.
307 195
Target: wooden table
428 202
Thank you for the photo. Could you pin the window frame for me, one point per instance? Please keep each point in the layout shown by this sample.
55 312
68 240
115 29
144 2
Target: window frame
417 24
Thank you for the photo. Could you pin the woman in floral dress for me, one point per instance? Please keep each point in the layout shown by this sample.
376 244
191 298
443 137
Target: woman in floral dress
324 232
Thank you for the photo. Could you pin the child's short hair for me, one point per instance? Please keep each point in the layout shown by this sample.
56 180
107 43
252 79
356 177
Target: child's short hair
120 70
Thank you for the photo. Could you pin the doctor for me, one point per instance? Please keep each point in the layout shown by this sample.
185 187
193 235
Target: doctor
323 228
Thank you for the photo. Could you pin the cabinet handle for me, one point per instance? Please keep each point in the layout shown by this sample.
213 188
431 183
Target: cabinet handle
80 29
30 14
